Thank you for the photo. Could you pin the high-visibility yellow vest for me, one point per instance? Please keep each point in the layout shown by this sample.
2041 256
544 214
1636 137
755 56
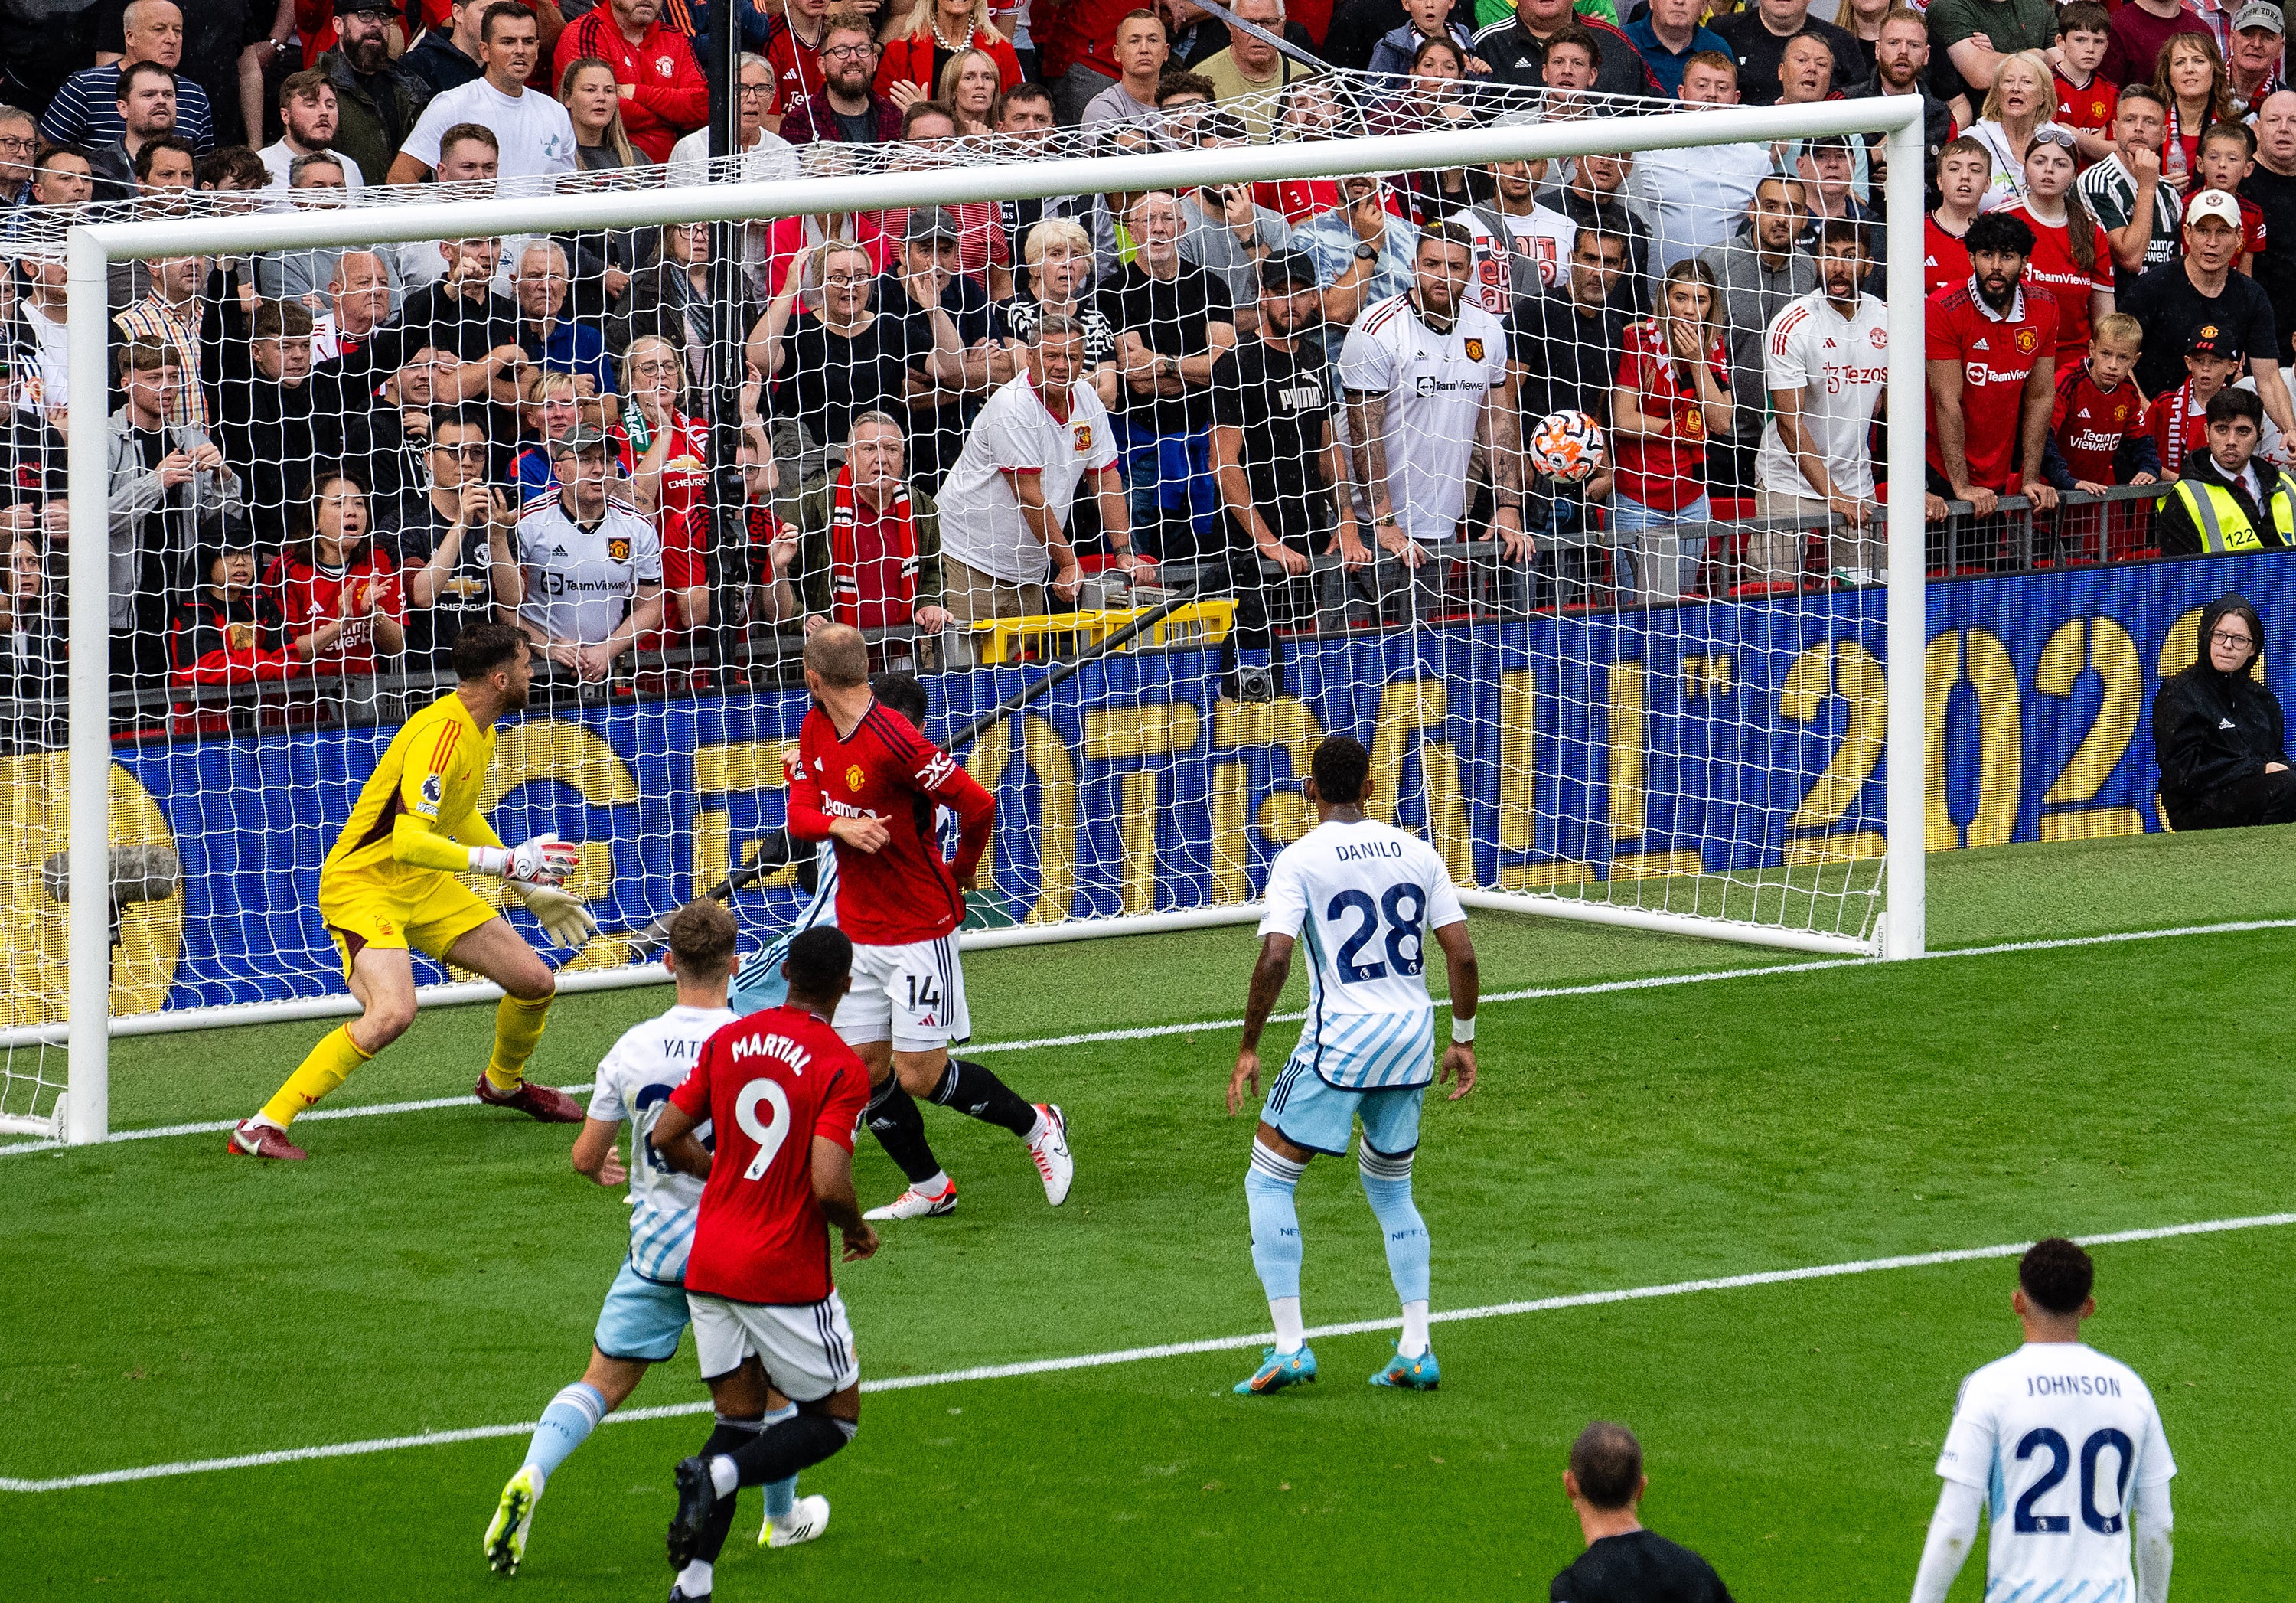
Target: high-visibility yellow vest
2224 527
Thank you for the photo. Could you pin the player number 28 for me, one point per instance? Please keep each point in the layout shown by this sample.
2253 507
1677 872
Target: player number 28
2060 1457
1401 908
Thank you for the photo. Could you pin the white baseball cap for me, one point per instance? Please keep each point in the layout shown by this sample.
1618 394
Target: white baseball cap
2215 203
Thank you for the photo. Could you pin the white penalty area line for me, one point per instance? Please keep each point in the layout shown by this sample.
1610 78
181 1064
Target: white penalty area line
1159 1031
1132 1355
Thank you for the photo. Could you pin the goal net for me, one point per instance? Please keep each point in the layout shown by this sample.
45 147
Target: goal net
1430 414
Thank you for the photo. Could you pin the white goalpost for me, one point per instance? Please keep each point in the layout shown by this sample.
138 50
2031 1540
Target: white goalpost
1747 766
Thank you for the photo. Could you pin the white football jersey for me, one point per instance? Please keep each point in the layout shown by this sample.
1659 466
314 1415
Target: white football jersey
2058 1437
1840 364
1435 386
581 577
1362 897
1542 235
633 1082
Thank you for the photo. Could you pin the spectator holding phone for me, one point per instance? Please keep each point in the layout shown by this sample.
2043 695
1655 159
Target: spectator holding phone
1672 392
453 544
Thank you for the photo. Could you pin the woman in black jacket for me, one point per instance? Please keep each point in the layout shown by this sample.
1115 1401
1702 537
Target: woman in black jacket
2217 732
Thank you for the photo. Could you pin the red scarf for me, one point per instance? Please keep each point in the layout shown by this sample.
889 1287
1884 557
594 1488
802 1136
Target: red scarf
2174 414
845 554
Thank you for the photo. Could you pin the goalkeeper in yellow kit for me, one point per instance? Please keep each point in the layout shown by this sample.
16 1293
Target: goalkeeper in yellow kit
390 884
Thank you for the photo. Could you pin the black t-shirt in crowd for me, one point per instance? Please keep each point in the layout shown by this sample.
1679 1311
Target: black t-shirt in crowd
860 128
436 317
413 530
828 378
1570 361
2172 311
1172 317
905 331
1282 401
1760 53
1641 1566
2275 266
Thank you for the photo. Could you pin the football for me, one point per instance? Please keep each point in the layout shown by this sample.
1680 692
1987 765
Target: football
1567 445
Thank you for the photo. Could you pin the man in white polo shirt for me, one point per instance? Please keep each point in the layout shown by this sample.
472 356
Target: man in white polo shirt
593 569
534 135
1005 506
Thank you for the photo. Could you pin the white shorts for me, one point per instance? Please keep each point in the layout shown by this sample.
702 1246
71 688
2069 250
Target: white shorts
806 1347
913 996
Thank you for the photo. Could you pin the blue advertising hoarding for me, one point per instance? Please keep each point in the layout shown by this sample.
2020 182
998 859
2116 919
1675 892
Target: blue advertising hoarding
1553 752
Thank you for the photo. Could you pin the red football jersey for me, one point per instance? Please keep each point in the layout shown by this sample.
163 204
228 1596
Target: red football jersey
2052 268
682 518
2089 424
768 1084
1944 260
1997 356
664 95
797 67
2090 109
306 596
902 893
1665 475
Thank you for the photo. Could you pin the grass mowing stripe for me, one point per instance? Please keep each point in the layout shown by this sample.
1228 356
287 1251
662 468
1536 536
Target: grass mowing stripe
1129 1355
1158 1031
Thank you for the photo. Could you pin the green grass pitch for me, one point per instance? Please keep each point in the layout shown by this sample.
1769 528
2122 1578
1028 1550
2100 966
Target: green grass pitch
436 1271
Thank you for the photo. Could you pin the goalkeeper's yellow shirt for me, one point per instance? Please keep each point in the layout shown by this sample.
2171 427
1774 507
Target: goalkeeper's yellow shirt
419 811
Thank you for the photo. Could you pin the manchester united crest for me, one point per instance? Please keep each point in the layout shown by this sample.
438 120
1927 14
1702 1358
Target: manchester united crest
853 777
618 549
1694 424
1474 351
2028 341
1083 437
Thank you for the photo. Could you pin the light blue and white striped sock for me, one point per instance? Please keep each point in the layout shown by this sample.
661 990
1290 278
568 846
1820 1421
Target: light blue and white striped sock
1387 1186
1276 1249
569 1420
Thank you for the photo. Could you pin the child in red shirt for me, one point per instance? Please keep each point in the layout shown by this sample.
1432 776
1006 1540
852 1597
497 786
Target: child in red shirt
2086 100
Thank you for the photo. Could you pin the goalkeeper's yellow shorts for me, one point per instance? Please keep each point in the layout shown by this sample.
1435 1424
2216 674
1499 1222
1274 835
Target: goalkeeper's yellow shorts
429 915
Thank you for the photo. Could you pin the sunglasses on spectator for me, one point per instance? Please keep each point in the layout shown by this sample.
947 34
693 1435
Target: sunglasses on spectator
2051 133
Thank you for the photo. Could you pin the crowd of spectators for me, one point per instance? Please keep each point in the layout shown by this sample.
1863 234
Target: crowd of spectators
326 461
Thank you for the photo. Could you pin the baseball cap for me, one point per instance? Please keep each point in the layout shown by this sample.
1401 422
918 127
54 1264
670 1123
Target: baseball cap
2215 203
932 222
1283 269
2213 340
2260 14
352 8
581 438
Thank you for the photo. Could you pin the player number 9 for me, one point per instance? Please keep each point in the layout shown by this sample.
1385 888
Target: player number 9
769 1137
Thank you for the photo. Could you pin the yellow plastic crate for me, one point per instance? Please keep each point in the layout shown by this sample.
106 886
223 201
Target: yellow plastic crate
1059 635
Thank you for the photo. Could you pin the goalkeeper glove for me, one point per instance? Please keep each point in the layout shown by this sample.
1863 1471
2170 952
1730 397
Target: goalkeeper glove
563 916
544 860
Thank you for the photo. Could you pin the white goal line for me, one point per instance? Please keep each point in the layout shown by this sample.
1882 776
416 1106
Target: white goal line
1131 1355
1156 1032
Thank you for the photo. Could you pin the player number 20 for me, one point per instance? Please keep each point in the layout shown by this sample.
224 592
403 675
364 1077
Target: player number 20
1400 909
2060 1458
